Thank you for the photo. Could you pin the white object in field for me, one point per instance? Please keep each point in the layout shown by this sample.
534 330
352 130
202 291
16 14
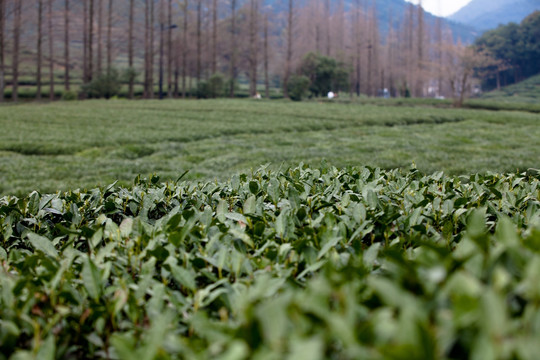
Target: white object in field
331 95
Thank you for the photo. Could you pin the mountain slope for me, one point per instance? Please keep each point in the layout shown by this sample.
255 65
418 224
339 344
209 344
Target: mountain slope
386 10
488 14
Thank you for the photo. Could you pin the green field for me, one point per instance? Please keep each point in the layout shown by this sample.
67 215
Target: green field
242 260
68 145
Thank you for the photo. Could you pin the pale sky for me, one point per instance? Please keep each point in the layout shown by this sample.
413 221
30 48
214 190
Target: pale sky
442 7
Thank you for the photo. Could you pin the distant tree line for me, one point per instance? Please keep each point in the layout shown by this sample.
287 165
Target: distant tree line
515 49
206 48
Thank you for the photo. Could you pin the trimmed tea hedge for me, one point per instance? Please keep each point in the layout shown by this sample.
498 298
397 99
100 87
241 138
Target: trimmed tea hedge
307 263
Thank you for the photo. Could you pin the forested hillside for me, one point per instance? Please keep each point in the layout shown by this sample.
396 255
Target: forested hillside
515 49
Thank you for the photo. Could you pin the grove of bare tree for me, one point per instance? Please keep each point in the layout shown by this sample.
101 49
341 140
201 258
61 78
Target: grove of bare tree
245 42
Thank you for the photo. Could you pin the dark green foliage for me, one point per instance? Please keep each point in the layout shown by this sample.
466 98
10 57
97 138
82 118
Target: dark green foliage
307 263
325 74
298 87
518 45
129 74
69 95
104 86
213 88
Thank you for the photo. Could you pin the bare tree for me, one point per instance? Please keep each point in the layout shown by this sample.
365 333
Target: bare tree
149 49
85 42
66 45
169 50
99 37
420 56
214 35
266 54
151 53
370 48
253 31
90 40
16 48
130 46
109 37
199 44
177 62
327 14
39 48
185 47
358 41
317 22
390 58
233 49
439 38
161 45
51 52
2 46
288 61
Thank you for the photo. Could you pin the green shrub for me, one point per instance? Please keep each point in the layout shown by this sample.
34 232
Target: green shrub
69 95
298 87
356 263
213 88
104 86
129 74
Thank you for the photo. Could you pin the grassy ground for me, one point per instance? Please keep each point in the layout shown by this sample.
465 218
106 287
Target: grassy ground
64 145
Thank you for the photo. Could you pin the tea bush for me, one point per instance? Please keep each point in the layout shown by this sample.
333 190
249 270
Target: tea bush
307 263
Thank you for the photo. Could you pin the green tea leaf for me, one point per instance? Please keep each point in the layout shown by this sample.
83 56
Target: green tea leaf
42 244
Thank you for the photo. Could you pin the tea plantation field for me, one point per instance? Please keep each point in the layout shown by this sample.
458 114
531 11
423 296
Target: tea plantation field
69 145
110 249
306 263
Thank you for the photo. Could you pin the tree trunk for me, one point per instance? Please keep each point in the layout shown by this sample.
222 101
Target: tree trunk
289 50
130 47
66 46
161 44
109 37
233 48
214 36
199 44
439 39
420 61
266 77
169 50
177 59
410 48
16 48
91 41
151 52
327 16
358 48
184 49
254 13
51 53
317 21
39 49
2 45
85 42
99 37
464 79
146 48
